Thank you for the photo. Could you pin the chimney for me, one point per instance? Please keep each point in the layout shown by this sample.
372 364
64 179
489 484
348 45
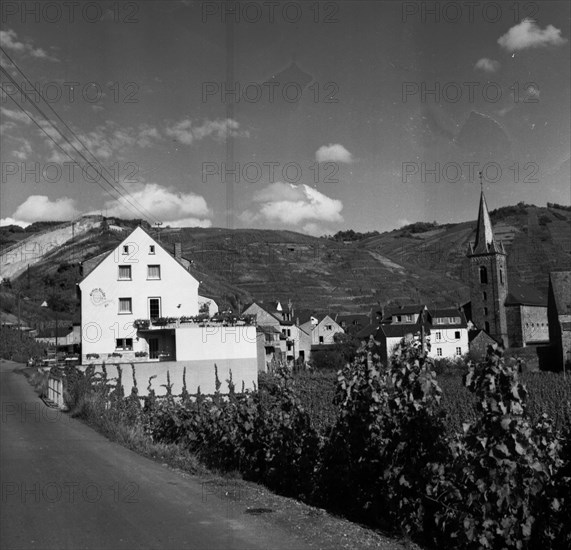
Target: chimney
178 250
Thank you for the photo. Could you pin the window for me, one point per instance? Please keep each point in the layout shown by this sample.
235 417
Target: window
154 308
153 272
125 249
502 276
439 352
457 334
125 305
328 327
483 275
438 336
484 296
124 272
321 339
124 344
458 351
151 249
485 311
487 326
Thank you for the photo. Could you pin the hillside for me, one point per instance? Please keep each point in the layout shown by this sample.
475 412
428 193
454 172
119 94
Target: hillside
419 263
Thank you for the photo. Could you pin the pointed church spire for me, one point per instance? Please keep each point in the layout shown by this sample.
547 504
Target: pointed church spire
484 232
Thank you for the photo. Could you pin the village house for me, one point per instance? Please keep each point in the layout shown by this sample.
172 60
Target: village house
69 336
559 313
140 304
279 338
449 333
445 330
320 328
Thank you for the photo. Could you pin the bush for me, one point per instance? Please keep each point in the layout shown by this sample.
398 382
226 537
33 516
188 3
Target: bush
490 493
375 462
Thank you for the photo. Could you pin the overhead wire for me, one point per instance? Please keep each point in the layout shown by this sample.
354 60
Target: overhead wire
122 194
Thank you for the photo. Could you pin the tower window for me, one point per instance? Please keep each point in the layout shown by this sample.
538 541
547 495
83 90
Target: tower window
483 275
485 311
502 276
487 327
484 296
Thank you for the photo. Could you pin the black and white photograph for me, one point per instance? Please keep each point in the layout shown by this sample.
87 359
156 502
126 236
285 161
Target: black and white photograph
285 274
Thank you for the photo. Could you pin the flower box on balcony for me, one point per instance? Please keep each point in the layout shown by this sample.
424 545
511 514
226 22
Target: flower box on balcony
141 323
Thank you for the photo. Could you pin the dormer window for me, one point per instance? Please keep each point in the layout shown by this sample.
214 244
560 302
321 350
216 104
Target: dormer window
151 249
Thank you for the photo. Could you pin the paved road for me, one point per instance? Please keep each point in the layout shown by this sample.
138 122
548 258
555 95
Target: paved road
66 486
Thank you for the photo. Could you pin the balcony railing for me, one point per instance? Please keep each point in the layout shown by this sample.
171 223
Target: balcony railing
198 321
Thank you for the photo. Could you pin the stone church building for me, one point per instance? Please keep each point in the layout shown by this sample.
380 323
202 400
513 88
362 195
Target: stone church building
510 311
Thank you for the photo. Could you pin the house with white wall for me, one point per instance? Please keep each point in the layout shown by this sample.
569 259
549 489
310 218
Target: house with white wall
279 338
140 304
321 329
449 334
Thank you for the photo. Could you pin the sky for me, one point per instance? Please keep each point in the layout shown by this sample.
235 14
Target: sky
302 115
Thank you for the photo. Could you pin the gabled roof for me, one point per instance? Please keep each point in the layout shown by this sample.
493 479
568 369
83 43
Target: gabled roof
62 332
266 309
405 310
523 294
353 319
447 313
560 284
400 331
367 331
102 257
481 335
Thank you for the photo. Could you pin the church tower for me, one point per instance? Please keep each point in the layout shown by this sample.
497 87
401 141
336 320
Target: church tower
488 278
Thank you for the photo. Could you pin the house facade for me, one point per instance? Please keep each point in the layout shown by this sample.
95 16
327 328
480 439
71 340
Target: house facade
279 338
321 329
139 304
448 334
559 314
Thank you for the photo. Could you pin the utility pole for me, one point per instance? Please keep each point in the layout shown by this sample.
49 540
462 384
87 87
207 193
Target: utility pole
422 335
158 224
19 320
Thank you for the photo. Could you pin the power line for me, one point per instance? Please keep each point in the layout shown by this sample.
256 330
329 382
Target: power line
142 208
51 138
90 163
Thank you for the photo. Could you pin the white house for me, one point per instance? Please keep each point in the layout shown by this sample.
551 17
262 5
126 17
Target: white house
279 338
445 329
321 329
449 334
140 304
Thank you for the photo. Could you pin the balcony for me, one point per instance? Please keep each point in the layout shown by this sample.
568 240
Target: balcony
162 323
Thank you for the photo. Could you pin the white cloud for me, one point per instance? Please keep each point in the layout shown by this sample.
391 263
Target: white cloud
487 65
170 207
9 40
402 222
24 151
333 153
294 205
38 208
18 116
528 35
104 141
185 132
12 221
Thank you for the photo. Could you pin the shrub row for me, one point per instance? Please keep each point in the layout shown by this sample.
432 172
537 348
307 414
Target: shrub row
388 460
